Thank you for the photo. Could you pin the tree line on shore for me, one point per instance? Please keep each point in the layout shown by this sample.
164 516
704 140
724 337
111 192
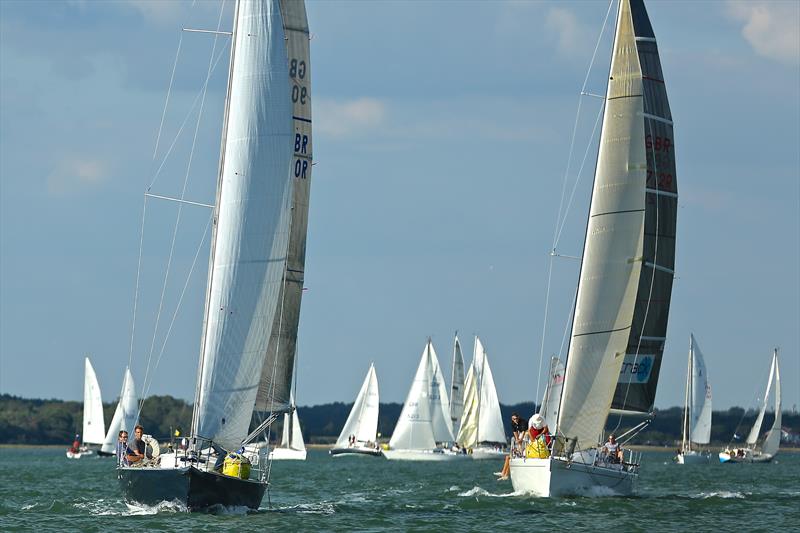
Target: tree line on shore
33 421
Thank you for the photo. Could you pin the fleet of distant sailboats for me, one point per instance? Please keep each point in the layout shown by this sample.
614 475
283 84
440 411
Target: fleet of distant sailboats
255 286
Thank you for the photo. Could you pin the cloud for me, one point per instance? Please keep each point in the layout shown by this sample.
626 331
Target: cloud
771 28
72 174
569 31
347 118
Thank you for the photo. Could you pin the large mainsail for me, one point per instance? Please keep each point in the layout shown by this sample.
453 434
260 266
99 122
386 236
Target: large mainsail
250 239
362 422
700 394
627 266
124 415
773 438
457 387
414 429
276 372
94 430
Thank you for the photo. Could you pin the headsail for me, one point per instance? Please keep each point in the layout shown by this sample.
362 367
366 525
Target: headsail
773 438
250 239
700 397
627 263
94 430
752 437
638 376
440 405
292 436
362 422
124 415
482 421
552 394
457 387
276 373
414 429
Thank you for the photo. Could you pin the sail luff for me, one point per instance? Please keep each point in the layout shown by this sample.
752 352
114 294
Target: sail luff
94 430
252 219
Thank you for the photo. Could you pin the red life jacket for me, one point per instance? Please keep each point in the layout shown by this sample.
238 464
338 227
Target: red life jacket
544 431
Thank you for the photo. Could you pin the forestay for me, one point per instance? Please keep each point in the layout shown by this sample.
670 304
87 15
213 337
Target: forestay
701 397
249 244
124 415
94 430
457 387
362 422
276 373
626 271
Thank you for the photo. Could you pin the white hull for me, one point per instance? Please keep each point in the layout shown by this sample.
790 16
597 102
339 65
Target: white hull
547 478
488 453
423 455
287 454
691 458
82 452
725 457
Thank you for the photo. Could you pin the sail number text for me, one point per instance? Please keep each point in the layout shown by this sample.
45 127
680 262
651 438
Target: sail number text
300 149
297 70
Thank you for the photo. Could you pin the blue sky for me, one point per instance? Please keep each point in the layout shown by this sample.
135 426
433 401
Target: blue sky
442 134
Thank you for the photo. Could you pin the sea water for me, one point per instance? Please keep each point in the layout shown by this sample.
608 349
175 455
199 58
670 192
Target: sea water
42 490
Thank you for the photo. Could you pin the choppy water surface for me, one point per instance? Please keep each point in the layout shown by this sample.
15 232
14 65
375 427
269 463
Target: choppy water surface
40 489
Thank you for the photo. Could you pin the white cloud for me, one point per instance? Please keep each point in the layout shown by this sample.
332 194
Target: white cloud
346 118
568 30
771 28
72 173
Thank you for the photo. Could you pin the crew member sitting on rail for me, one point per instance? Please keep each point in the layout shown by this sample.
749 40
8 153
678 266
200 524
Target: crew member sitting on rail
612 450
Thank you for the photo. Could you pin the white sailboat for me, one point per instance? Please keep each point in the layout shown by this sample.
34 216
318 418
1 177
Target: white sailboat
697 410
292 446
552 394
255 268
481 429
94 431
457 387
622 305
124 415
423 430
753 453
359 436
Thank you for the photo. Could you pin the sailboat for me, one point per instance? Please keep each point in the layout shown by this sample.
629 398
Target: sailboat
292 446
124 415
457 387
753 453
359 435
697 408
622 304
552 394
482 429
255 268
93 423
423 430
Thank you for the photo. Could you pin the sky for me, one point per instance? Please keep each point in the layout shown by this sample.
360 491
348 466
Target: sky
441 142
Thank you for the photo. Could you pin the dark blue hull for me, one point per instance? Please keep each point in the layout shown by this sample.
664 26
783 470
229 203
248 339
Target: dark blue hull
196 489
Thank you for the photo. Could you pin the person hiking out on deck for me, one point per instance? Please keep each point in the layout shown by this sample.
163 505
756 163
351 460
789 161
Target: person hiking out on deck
518 427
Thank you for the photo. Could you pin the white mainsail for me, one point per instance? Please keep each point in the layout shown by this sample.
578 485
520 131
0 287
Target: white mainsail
773 438
628 257
457 387
482 420
362 422
124 415
752 437
700 397
292 436
94 430
250 240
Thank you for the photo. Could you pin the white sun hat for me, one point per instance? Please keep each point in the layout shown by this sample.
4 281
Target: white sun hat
537 421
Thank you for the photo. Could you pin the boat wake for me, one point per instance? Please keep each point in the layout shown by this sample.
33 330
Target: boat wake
321 508
724 494
479 491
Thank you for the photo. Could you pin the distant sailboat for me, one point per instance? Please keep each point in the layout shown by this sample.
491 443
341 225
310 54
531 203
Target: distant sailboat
697 408
94 431
124 416
359 434
769 446
625 284
292 446
482 428
256 263
552 394
424 421
457 387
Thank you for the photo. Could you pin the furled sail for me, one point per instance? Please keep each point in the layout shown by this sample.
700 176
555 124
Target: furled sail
94 429
752 437
251 226
773 438
362 422
627 263
124 415
646 96
457 387
701 397
552 394
276 373
414 430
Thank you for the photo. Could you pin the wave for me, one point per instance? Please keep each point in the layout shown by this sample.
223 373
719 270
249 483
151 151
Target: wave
479 491
724 494
321 508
